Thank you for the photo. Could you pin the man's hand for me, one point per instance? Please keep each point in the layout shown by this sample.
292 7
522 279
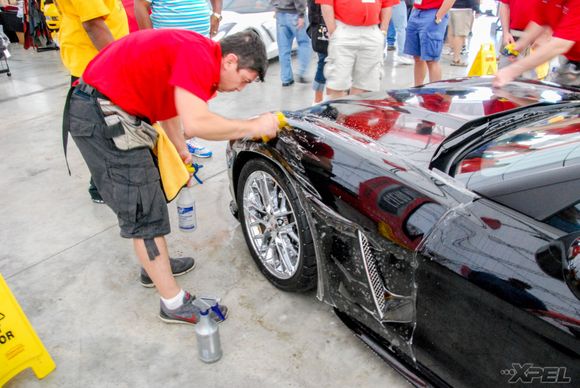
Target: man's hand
300 23
264 125
214 26
503 77
507 38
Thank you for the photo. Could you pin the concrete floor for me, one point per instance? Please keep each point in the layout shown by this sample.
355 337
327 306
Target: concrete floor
76 279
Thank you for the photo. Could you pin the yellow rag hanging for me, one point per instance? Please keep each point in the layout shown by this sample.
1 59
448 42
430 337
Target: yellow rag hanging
173 172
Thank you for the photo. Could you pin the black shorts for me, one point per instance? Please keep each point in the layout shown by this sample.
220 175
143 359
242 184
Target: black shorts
128 181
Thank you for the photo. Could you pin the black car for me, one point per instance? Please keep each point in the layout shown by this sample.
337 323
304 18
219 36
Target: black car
440 222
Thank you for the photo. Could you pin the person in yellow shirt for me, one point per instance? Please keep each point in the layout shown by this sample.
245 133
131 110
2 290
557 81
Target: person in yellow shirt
87 26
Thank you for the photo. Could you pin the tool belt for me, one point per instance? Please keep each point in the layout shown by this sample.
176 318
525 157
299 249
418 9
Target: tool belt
127 131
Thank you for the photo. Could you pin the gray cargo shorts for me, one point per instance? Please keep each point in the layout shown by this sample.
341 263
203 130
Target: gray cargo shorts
128 180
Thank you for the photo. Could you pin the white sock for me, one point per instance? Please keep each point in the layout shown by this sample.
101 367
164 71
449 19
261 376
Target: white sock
175 302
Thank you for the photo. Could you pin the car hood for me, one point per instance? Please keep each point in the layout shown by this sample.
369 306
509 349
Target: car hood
414 122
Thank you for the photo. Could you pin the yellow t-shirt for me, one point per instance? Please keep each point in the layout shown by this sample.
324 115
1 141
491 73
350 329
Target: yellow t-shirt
76 48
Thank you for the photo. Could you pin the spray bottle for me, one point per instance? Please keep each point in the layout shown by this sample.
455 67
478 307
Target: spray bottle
186 203
186 211
207 333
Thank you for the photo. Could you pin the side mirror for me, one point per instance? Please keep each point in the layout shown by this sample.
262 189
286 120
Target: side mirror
549 258
571 267
561 260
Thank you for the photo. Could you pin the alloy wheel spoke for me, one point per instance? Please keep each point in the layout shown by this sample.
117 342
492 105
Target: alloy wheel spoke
283 255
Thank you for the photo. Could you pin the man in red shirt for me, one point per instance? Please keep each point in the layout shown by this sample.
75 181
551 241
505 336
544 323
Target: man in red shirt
514 16
562 17
166 76
357 31
425 34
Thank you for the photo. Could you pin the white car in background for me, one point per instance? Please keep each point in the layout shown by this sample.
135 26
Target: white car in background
239 15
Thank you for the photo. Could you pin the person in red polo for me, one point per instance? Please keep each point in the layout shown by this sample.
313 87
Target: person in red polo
357 31
562 17
164 76
425 35
514 16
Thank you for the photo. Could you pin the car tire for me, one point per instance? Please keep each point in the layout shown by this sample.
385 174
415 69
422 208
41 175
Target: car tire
285 251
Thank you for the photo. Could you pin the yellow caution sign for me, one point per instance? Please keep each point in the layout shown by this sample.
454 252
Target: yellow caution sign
20 347
485 61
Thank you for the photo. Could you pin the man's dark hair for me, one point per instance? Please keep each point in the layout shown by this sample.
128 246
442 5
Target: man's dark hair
250 50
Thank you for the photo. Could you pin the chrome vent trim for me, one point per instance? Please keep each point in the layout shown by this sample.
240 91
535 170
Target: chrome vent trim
375 282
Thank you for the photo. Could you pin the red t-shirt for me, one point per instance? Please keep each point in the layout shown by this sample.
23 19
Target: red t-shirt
140 71
563 17
520 13
428 4
358 12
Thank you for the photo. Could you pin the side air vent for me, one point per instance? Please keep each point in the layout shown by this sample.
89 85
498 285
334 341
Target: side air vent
370 264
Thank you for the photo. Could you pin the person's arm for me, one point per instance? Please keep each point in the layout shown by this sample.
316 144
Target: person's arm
328 16
300 6
98 32
174 131
216 6
544 53
445 7
385 18
504 17
198 121
142 8
531 34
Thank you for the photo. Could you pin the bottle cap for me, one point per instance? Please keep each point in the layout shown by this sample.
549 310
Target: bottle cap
204 312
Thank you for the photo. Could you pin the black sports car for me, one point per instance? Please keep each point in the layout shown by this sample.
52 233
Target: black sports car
441 222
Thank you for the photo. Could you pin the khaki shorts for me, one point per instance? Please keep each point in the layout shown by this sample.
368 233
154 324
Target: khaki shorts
355 58
460 22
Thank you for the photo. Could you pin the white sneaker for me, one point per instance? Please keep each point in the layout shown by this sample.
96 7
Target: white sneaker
403 60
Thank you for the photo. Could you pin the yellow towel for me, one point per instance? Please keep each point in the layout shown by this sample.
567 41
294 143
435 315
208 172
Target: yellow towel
173 172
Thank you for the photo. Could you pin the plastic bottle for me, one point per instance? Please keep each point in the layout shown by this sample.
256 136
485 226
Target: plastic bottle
208 338
186 211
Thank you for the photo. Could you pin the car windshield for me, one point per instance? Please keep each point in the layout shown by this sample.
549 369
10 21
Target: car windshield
552 142
247 6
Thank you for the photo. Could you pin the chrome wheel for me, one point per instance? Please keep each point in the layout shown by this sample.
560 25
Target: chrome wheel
271 224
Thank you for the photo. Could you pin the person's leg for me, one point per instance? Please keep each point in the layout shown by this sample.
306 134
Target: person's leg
284 36
368 67
399 22
419 71
158 269
304 51
319 79
392 35
342 49
431 42
434 71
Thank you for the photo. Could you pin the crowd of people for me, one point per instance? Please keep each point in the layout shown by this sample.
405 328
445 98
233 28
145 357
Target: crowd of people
113 73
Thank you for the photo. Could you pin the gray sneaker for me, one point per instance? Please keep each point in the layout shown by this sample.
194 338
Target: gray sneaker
188 313
179 266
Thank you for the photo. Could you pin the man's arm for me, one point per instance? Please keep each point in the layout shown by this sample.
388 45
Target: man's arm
504 17
98 32
142 8
198 121
445 7
328 16
531 34
175 133
544 53
385 18
216 6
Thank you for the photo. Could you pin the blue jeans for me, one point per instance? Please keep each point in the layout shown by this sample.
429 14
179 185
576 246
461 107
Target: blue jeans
286 31
319 79
391 34
399 23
